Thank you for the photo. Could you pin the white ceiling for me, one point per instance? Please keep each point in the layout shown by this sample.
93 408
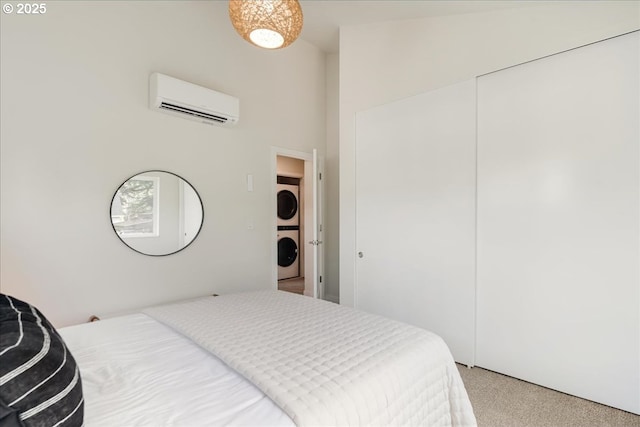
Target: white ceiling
323 18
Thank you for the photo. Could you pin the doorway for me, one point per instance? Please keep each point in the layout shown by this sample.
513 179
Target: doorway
290 209
296 254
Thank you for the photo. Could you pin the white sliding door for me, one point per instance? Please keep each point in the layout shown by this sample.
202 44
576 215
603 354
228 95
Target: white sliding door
415 203
558 222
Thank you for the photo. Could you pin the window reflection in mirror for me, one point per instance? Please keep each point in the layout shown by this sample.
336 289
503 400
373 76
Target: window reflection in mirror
156 213
134 211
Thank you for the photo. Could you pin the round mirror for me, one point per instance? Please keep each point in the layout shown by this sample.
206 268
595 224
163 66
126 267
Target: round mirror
156 213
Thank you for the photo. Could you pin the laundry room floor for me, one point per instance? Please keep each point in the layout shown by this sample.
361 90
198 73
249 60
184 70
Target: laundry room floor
295 285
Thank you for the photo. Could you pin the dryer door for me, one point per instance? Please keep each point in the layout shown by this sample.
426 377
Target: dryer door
287 204
287 251
288 265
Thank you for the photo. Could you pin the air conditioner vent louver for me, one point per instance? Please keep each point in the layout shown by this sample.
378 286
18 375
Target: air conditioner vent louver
189 101
185 110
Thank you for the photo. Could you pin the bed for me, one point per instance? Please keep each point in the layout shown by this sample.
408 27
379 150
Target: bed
264 358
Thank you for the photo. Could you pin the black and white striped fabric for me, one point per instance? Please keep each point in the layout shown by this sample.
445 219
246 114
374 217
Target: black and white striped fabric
40 382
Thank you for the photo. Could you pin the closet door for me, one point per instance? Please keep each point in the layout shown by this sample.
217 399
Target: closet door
415 203
558 222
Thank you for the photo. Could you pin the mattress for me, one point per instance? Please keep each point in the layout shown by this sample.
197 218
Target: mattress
326 364
139 372
264 358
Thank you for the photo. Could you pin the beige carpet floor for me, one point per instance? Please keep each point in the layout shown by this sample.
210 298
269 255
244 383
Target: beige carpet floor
502 401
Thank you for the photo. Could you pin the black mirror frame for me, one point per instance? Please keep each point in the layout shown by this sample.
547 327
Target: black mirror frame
169 253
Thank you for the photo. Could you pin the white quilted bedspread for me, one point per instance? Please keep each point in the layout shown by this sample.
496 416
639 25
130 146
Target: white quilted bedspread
325 364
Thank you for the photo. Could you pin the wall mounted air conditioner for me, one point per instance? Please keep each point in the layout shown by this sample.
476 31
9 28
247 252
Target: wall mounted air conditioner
191 101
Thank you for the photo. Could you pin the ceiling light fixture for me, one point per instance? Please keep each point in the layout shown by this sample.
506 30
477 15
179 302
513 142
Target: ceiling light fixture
271 24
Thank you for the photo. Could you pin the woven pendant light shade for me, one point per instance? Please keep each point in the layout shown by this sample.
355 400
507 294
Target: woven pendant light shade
271 24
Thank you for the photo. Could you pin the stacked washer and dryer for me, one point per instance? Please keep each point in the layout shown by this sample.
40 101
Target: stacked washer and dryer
288 227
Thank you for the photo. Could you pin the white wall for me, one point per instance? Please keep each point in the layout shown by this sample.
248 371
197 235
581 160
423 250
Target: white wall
288 166
75 125
380 63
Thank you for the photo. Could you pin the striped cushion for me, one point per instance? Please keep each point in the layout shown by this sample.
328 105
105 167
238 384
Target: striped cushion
40 383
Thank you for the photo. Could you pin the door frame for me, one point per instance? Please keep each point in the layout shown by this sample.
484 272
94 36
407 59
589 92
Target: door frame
308 222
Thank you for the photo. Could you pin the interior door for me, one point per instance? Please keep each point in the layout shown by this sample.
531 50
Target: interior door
558 222
415 213
314 255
